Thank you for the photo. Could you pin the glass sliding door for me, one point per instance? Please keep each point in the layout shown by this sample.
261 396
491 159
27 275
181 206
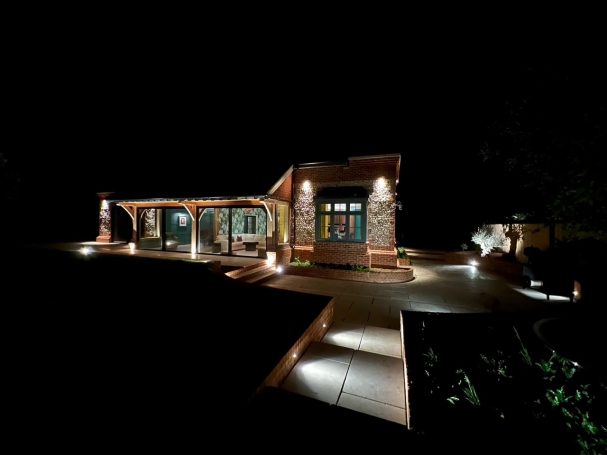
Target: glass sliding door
208 223
177 230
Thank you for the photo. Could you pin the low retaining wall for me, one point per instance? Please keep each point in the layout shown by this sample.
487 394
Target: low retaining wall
315 332
494 263
400 275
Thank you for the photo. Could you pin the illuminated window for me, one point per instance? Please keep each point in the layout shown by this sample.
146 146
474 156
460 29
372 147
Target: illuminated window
282 223
341 221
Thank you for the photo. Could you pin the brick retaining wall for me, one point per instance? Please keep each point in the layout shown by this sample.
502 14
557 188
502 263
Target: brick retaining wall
383 276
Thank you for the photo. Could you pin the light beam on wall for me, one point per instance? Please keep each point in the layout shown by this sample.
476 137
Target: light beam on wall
304 213
381 213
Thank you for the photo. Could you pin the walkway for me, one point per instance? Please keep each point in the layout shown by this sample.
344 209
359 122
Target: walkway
358 365
230 262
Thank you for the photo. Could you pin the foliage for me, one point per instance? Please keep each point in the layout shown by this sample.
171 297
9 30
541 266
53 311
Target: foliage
551 149
360 268
464 246
401 252
299 263
487 239
520 388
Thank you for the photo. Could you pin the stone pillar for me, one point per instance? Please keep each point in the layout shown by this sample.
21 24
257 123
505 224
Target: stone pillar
105 218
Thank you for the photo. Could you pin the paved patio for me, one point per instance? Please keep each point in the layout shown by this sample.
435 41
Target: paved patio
359 365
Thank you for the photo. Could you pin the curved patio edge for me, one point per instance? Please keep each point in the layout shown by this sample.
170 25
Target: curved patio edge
400 275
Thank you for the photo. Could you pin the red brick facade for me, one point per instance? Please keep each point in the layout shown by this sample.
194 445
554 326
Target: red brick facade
283 192
378 176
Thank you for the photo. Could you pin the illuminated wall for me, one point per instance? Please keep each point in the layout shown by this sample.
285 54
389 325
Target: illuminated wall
150 228
305 213
380 212
105 219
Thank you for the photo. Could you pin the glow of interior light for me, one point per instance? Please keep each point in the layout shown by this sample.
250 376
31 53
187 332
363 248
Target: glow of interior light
279 269
86 250
473 263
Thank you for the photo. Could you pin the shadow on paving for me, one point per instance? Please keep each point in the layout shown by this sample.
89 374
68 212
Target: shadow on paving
111 349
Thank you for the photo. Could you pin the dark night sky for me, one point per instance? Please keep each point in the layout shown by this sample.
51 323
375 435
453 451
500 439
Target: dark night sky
166 117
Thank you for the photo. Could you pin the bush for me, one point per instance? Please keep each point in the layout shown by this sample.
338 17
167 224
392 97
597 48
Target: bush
488 239
300 263
401 252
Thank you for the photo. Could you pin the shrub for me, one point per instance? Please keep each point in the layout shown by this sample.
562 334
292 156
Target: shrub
300 263
401 252
487 239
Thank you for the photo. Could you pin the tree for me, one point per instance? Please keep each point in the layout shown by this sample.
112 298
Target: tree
549 139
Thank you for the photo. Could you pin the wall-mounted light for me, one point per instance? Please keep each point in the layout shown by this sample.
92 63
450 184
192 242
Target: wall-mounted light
307 186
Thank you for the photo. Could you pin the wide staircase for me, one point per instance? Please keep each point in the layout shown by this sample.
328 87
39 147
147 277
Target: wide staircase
255 273
354 367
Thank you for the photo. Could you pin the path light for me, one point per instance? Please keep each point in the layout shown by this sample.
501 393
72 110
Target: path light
86 250
279 269
132 247
473 263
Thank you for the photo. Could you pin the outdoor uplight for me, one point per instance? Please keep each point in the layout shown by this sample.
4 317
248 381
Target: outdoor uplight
473 263
86 250
279 269
132 247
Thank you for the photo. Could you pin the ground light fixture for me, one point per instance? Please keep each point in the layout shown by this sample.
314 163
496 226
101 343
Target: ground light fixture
473 263
86 250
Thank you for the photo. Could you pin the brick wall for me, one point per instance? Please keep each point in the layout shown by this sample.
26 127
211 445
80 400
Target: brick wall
304 253
284 190
383 258
385 276
380 211
341 253
283 255
315 332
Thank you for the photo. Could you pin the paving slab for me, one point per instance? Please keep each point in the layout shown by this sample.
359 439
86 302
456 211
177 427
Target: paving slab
374 408
317 377
344 334
376 377
381 341
331 352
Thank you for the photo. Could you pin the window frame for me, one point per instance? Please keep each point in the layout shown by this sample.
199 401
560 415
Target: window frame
333 237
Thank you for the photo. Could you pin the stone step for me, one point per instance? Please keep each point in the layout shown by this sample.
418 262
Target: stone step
241 273
260 276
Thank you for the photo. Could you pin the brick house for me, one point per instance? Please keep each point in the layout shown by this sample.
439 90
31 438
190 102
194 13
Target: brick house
333 213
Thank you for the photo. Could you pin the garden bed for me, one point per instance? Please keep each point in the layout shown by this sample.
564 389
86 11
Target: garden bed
488 381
